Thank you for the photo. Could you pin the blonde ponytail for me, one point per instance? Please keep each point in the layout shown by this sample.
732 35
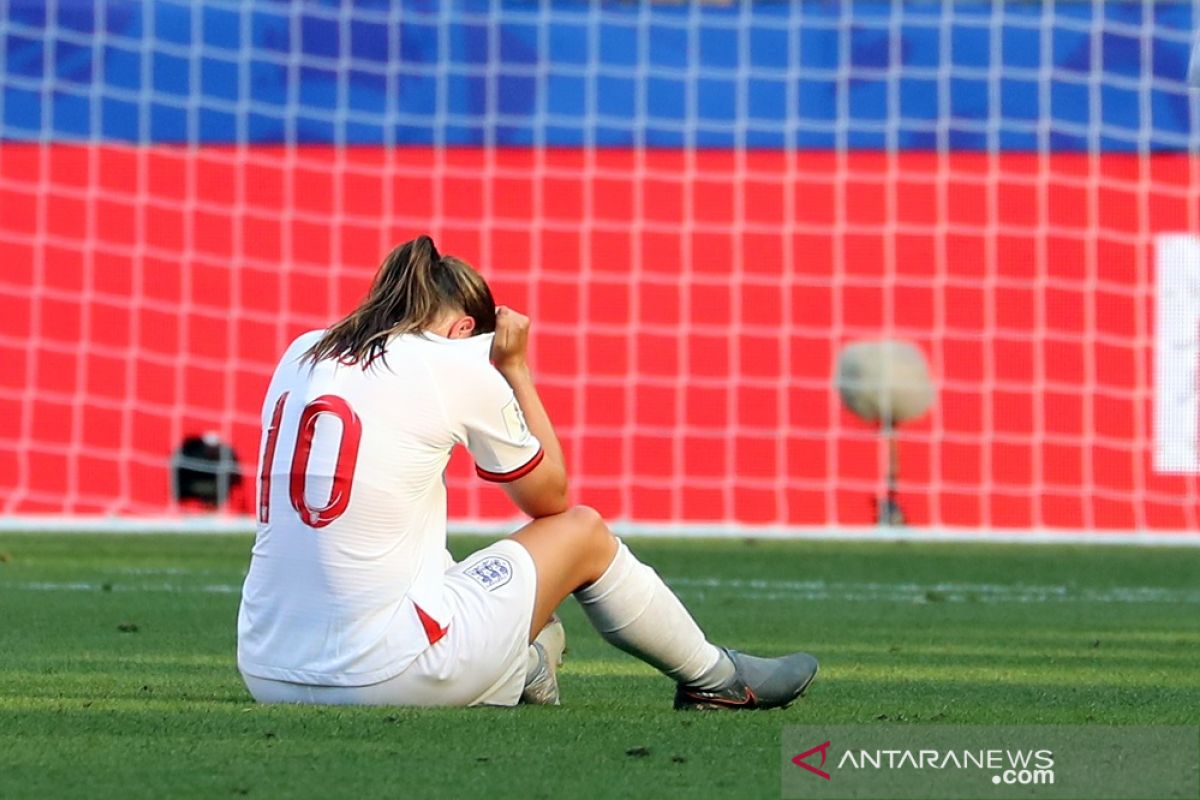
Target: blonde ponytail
412 288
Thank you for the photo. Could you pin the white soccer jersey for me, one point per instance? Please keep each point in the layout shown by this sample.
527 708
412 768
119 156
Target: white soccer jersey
345 581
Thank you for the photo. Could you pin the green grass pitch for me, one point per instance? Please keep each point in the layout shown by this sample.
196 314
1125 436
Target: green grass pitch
117 674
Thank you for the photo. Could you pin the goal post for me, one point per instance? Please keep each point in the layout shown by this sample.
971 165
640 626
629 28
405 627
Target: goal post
699 204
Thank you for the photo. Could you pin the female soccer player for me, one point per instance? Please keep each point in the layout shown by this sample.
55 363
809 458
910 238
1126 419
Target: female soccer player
351 597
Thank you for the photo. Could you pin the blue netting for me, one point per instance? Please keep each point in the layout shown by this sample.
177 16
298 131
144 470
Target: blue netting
813 75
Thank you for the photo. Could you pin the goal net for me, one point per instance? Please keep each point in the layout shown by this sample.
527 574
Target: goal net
699 204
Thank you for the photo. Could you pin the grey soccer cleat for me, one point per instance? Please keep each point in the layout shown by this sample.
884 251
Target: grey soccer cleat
541 683
756 683
554 638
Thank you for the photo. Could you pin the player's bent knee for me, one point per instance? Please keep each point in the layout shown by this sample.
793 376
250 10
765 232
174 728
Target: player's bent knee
582 541
596 538
585 517
588 522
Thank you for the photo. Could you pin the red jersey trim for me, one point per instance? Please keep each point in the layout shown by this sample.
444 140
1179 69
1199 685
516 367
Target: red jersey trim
519 472
433 631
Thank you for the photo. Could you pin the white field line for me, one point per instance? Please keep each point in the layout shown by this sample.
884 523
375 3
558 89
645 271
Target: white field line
858 591
162 571
851 591
114 586
220 523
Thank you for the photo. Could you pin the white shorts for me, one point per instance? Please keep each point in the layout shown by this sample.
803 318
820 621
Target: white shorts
481 660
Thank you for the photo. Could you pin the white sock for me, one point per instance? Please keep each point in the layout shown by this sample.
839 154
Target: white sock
634 610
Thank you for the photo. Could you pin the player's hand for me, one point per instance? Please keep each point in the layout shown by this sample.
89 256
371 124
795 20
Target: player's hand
511 341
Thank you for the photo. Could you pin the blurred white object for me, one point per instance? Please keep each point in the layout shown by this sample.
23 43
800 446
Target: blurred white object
884 381
1194 67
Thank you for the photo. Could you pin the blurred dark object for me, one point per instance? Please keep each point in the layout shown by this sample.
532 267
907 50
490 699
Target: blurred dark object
204 472
887 510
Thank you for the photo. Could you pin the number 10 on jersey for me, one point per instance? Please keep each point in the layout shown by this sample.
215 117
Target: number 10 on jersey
343 471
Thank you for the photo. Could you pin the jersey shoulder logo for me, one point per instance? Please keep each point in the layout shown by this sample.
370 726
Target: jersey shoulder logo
491 573
514 421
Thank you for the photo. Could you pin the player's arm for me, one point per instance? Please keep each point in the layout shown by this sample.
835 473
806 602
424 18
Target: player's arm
543 490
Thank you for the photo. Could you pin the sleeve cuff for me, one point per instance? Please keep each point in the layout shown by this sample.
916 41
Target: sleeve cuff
512 475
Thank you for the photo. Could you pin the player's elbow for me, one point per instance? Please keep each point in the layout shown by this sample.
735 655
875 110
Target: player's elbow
542 493
554 498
